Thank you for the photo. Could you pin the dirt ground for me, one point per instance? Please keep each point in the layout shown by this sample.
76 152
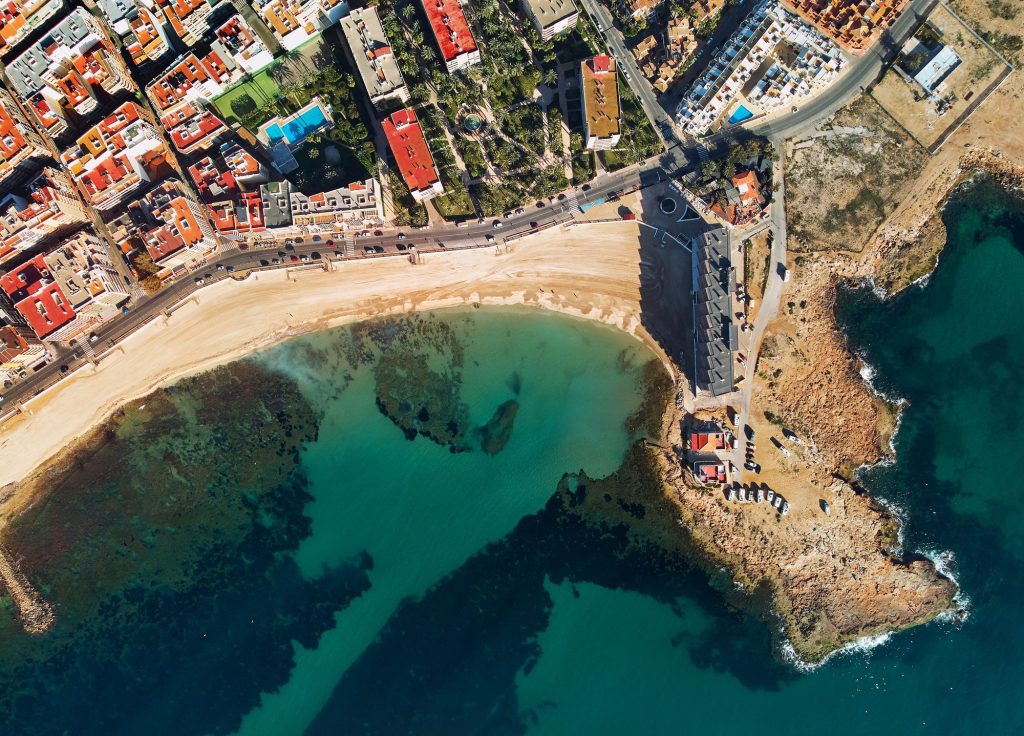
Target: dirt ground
842 184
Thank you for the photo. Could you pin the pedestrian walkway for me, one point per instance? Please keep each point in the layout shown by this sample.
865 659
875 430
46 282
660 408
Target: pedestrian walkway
572 204
350 246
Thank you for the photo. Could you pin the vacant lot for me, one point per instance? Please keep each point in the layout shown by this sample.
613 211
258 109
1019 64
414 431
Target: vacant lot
843 180
979 67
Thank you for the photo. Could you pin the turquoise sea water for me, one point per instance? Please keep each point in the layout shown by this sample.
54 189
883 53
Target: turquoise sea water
414 570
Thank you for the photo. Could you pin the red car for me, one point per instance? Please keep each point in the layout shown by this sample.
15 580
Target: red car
295 259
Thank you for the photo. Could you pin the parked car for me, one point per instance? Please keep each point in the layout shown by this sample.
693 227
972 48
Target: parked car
264 262
496 224
230 269
199 281
317 238
330 243
520 211
220 266
315 256
490 238
305 259
400 246
541 205
378 249
534 225
295 259
275 261
401 236
289 247
299 240
368 248
586 187
337 253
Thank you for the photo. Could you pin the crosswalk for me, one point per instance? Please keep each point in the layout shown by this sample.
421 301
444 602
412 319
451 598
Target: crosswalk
350 246
572 204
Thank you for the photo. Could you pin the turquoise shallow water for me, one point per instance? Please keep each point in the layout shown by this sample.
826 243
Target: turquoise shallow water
392 585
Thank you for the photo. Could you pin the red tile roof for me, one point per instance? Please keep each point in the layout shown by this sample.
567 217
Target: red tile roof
410 149
450 28
707 441
43 305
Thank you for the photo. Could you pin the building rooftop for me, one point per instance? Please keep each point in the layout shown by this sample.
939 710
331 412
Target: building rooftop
450 28
191 128
371 49
277 210
237 39
550 12
18 20
412 154
601 96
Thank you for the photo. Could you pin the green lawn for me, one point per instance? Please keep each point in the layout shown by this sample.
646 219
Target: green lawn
233 105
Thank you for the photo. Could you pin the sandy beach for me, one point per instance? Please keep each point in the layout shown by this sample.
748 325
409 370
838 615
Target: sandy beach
590 271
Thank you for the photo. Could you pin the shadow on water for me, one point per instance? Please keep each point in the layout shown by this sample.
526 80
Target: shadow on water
454 654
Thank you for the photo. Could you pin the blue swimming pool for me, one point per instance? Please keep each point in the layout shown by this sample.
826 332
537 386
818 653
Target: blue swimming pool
299 127
274 133
739 115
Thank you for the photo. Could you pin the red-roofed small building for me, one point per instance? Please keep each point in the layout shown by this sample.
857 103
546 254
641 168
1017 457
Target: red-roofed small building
240 42
707 441
190 128
452 34
412 154
21 352
20 18
296 21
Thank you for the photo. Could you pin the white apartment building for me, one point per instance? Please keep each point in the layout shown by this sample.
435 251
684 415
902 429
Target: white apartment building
356 206
551 16
809 62
374 58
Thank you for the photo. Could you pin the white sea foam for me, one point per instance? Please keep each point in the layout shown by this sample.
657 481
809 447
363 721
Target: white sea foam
945 564
863 645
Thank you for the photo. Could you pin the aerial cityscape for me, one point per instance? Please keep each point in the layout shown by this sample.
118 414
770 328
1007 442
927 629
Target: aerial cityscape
487 352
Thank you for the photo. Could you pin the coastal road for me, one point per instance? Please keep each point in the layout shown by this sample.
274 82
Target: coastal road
861 72
425 240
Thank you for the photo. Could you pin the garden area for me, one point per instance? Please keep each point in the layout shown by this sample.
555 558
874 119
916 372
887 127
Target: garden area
334 158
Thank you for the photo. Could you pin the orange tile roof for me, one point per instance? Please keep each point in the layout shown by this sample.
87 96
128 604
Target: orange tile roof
410 149
451 31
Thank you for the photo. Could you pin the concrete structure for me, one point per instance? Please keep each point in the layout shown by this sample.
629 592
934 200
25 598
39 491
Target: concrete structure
715 334
853 25
277 205
235 39
935 71
22 150
551 16
774 58
68 290
602 124
356 206
20 19
374 58
412 154
296 21
61 76
50 207
115 157
451 34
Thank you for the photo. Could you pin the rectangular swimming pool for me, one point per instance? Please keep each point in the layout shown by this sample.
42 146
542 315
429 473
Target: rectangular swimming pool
739 115
302 125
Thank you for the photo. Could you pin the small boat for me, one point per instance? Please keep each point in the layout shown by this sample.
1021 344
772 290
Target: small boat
778 502
731 494
785 507
771 495
743 494
760 495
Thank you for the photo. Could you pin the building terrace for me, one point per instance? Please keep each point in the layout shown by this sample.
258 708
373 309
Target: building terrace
19 20
48 207
374 58
296 21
